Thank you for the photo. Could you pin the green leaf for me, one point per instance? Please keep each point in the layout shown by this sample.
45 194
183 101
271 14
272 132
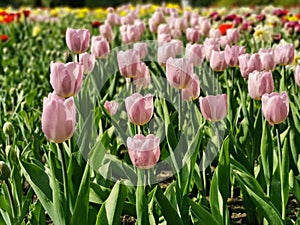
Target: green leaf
98 194
169 212
111 210
203 216
224 169
81 209
266 207
267 152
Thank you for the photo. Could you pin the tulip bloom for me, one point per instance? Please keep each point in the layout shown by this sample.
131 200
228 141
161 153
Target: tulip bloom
179 72
141 48
66 79
111 107
267 60
143 77
233 35
100 47
284 54
129 63
143 150
193 35
297 75
193 91
214 108
139 108
107 32
195 53
275 107
232 55
58 118
217 61
88 62
164 52
77 40
249 63
260 83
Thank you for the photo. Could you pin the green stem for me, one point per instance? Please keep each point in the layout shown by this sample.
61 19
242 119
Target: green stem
11 200
64 171
283 212
180 112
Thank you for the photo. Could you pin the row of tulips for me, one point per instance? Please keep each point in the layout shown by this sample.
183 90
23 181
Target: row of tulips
120 117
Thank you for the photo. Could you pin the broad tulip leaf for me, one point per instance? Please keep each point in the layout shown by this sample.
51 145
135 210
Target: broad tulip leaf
203 216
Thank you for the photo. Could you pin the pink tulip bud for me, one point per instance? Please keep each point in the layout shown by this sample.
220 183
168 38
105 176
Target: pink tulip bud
214 107
178 45
214 33
88 62
180 24
58 118
176 33
143 77
66 79
77 40
158 17
233 35
113 18
143 150
211 44
223 40
217 61
111 106
193 91
249 63
141 48
163 29
106 31
129 63
275 107
260 83
297 75
152 25
130 33
194 20
139 108
195 53
163 38
179 72
100 47
204 26
164 52
284 54
232 54
193 35
267 61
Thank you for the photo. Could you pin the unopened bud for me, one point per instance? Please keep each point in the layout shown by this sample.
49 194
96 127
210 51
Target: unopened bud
8 128
4 171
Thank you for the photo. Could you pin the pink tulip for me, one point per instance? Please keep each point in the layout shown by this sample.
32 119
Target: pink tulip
204 26
210 44
130 33
164 52
195 53
77 40
232 53
194 20
193 35
139 108
180 24
214 33
176 33
66 79
249 63
284 54
143 150
193 91
179 72
58 118
233 35
143 77
152 25
223 40
129 63
297 75
158 17
267 59
141 48
178 45
260 83
106 31
100 47
113 18
88 62
217 61
163 38
111 106
163 29
275 107
214 108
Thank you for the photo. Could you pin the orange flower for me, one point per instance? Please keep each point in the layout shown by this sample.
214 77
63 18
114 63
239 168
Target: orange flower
224 27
